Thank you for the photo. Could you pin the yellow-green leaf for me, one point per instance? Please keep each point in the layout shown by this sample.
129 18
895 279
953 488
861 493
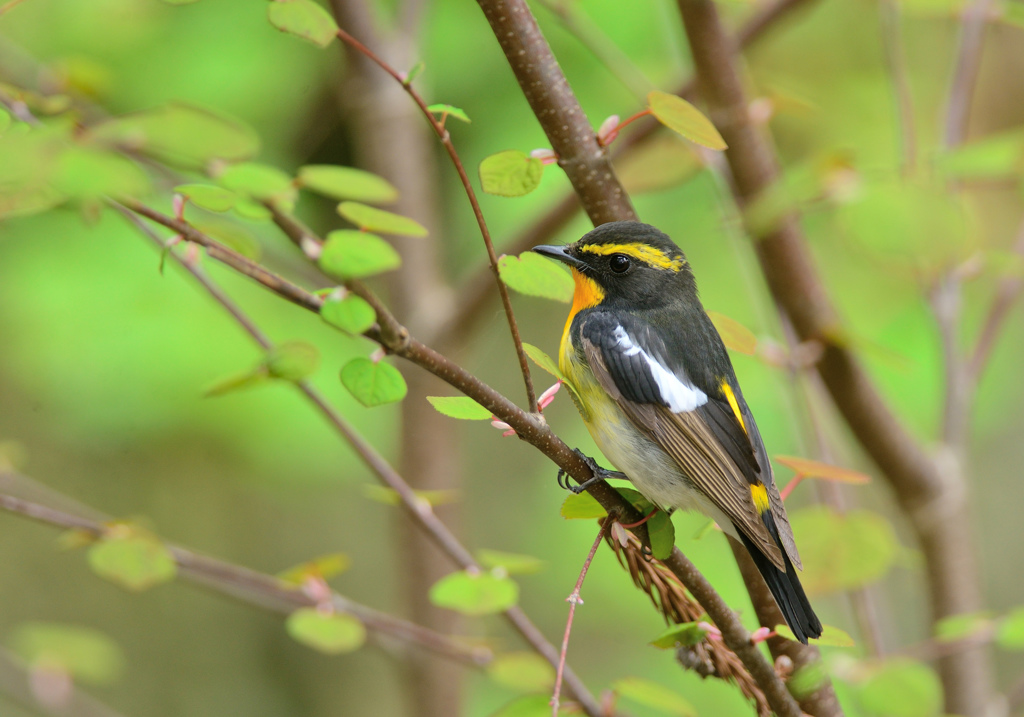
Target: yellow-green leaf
654 695
460 407
475 593
830 636
351 314
735 335
331 633
843 551
347 183
325 567
86 654
684 634
208 196
132 559
292 360
577 506
533 275
1010 635
522 671
680 116
511 563
450 111
260 181
371 219
350 254
510 173
373 384
304 19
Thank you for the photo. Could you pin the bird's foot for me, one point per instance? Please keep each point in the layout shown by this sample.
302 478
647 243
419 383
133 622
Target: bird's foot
600 474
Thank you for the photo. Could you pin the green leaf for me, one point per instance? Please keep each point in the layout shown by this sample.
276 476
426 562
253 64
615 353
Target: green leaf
510 173
292 360
462 407
1010 635
654 695
371 219
414 72
544 361
181 134
254 211
900 687
578 506
347 183
304 19
475 593
684 634
522 671
325 567
843 551
349 254
331 633
830 636
512 563
87 655
735 335
996 156
259 181
231 235
662 533
680 116
533 706
533 275
351 314
373 384
450 111
208 196
132 558
962 626
85 173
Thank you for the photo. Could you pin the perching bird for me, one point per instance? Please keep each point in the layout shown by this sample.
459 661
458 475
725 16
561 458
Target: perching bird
660 397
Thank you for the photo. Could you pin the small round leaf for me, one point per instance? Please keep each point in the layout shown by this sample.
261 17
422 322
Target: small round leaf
351 314
582 506
510 173
208 196
680 116
330 633
371 219
460 407
347 183
304 19
86 654
260 181
533 275
349 254
475 594
134 561
373 384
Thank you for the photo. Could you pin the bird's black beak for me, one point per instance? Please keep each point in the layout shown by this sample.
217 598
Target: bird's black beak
558 252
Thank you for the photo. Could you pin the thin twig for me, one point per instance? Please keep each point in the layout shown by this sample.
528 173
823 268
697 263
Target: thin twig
1007 293
574 600
445 136
895 57
965 76
263 590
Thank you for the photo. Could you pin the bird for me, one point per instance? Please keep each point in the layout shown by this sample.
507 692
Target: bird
658 393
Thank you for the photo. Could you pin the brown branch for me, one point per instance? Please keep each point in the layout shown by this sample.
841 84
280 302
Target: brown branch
556 108
934 503
259 589
965 75
534 429
445 137
420 511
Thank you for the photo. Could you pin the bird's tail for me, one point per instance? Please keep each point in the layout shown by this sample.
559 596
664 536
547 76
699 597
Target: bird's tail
788 593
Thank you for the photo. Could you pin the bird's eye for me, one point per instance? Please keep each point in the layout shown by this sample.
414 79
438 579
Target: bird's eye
619 263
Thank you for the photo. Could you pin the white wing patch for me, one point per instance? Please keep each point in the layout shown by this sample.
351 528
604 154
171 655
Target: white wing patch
680 396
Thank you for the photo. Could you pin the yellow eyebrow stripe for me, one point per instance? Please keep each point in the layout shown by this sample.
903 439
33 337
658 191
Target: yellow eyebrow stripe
643 252
734 404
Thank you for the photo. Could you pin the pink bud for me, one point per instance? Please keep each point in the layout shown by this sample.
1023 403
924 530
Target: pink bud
608 131
548 396
378 355
760 635
311 248
547 156
178 202
713 633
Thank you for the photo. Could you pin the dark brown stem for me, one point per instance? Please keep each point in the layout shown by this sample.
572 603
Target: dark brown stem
558 111
445 137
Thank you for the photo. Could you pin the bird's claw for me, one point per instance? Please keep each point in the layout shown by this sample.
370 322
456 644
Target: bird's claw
600 474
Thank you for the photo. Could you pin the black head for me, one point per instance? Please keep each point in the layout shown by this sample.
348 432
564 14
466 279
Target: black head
631 262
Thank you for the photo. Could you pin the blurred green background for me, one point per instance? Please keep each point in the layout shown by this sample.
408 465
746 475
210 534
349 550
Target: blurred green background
103 361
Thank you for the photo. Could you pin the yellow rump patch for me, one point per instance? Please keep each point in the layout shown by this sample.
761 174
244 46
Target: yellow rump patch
734 404
760 496
644 252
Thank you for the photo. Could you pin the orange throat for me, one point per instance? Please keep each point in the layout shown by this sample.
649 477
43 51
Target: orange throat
586 295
